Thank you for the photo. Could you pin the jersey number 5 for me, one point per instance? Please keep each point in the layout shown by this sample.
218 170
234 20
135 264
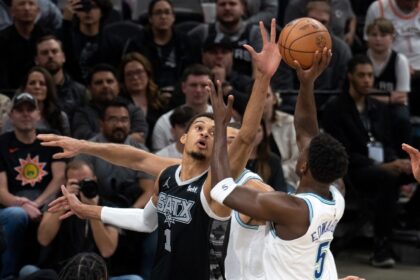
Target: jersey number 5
320 259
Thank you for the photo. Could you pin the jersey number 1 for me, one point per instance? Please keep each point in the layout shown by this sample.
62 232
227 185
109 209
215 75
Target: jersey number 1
320 259
168 240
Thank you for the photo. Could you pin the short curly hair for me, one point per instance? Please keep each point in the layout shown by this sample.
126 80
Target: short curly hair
84 266
327 158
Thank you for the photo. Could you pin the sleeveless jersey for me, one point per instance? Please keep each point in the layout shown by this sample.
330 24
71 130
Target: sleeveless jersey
407 29
387 80
242 61
183 228
246 244
309 256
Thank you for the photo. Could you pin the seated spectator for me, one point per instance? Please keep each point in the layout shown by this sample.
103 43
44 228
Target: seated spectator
282 136
124 187
229 23
179 119
63 239
141 90
404 16
169 51
49 54
217 55
265 163
392 75
362 124
194 82
18 43
49 17
343 21
103 87
29 177
40 84
264 10
80 34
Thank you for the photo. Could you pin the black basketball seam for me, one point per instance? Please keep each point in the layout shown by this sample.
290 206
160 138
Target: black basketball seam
287 37
291 44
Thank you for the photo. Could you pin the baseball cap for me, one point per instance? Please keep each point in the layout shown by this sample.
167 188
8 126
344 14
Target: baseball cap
24 97
217 42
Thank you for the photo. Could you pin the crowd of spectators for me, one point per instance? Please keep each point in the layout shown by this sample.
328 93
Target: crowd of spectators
121 72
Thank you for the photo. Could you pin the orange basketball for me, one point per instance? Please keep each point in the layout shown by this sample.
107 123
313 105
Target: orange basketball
299 40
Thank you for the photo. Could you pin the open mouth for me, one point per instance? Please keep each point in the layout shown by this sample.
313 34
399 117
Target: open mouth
202 144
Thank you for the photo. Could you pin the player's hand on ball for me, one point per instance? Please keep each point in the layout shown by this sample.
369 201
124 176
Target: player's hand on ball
321 61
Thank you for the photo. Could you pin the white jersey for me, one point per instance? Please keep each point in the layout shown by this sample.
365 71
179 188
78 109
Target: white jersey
407 28
309 256
246 244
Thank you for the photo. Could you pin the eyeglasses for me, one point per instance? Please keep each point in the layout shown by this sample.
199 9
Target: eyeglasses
165 12
133 73
115 120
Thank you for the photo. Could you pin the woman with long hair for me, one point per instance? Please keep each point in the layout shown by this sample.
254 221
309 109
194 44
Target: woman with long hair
39 83
140 89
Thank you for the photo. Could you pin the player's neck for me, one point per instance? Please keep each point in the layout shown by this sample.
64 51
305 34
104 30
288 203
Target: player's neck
312 186
191 167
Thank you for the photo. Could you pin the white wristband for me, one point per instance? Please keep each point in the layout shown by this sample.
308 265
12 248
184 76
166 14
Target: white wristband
223 189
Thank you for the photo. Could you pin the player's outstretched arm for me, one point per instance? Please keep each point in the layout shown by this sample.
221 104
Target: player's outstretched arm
414 158
119 154
142 220
306 123
265 64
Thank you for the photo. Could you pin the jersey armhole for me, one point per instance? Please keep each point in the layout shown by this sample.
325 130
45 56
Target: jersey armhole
208 210
309 204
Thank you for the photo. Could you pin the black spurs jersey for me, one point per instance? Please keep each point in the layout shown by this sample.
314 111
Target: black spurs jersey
183 231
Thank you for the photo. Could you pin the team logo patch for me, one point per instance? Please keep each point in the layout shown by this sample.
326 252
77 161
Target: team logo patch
175 209
30 171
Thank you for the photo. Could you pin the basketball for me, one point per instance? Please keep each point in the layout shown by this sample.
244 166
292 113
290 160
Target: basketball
300 39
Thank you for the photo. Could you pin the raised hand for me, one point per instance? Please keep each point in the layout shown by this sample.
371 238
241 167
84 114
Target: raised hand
68 203
267 61
222 112
70 145
321 61
415 160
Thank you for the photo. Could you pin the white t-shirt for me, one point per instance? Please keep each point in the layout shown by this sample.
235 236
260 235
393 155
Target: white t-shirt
407 28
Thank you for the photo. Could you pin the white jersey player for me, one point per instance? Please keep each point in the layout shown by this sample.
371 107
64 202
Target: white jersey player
293 218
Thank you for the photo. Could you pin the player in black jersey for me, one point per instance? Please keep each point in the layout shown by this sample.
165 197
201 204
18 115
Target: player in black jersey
181 205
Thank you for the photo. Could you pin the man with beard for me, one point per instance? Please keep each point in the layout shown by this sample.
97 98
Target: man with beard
230 24
103 87
49 54
124 187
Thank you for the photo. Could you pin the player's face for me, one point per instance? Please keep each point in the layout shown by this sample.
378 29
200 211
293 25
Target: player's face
116 124
218 57
50 56
361 80
195 92
162 17
379 42
24 117
104 86
24 10
198 141
229 11
37 86
135 77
